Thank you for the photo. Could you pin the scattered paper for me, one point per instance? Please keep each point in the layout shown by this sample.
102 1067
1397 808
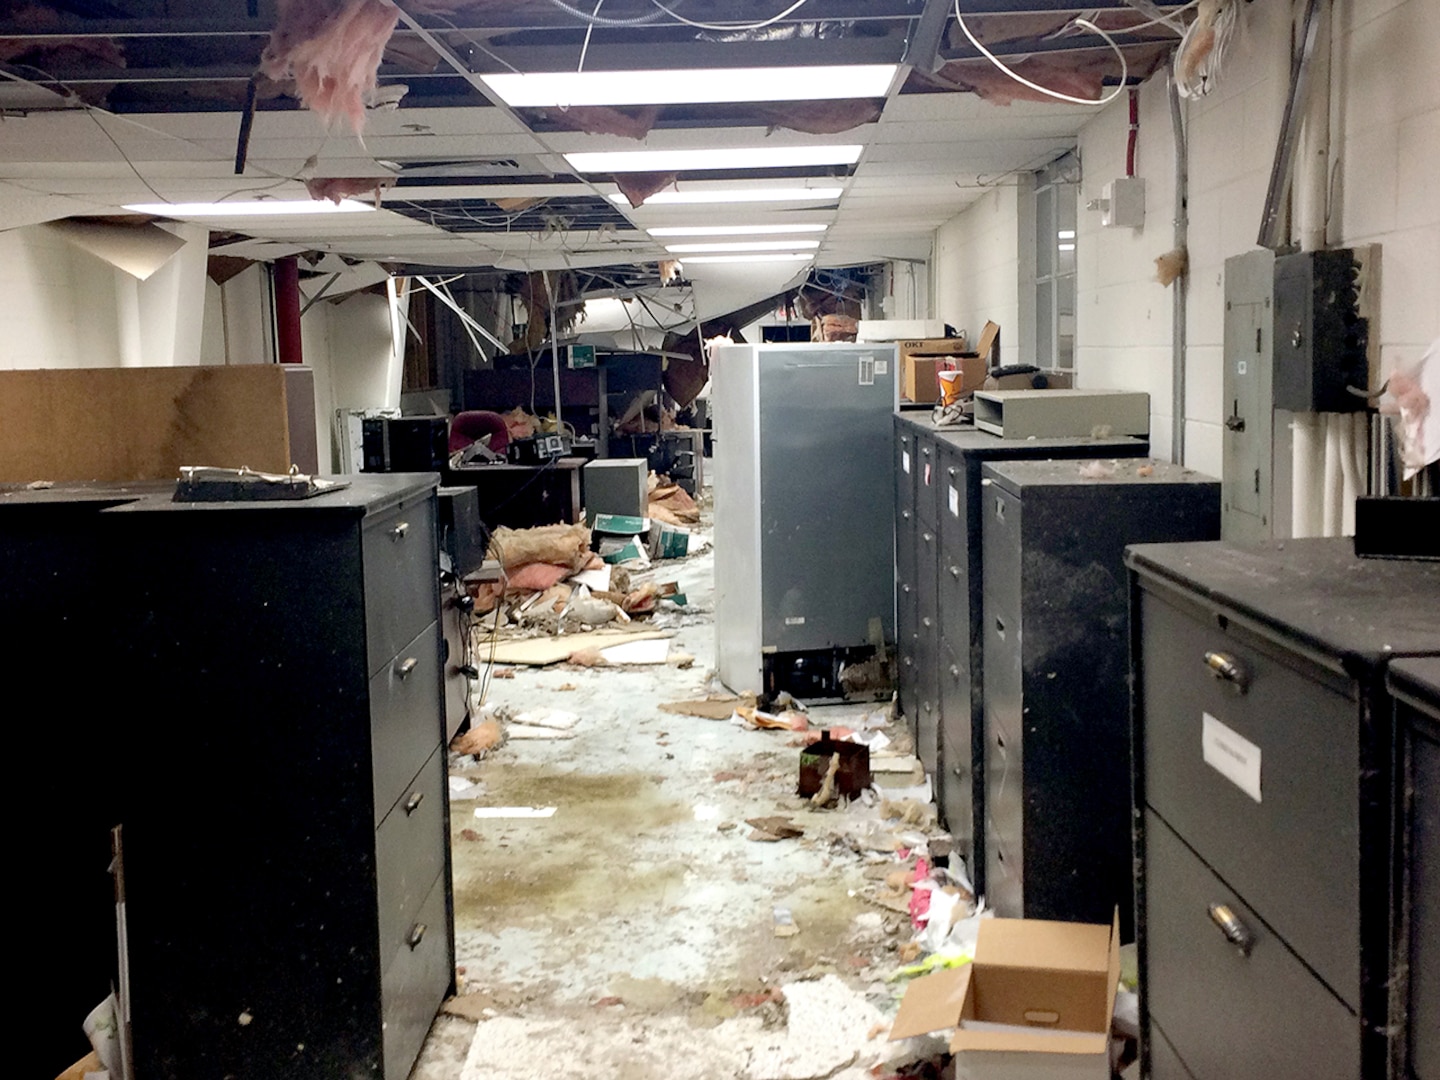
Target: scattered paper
530 731
461 788
514 811
547 718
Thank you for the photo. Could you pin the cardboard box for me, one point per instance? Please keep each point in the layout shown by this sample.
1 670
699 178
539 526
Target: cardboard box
918 381
1038 1000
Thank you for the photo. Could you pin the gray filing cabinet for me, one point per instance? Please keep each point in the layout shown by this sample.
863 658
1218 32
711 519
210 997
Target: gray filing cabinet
1263 802
938 574
1415 685
1056 691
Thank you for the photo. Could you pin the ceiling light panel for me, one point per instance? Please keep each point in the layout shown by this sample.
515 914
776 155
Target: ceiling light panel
697 260
268 208
711 158
746 245
736 230
700 86
695 197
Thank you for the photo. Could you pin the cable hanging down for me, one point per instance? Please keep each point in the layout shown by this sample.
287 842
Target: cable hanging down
1057 95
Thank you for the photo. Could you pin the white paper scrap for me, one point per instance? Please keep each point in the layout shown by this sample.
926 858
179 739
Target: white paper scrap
514 811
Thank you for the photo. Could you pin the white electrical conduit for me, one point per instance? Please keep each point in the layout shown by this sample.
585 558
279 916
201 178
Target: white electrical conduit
1057 95
471 326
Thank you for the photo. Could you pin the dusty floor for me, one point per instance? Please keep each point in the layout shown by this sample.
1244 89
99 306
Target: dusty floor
632 934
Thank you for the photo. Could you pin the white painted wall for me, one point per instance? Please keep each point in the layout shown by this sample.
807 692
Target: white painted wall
66 308
1122 314
350 347
975 267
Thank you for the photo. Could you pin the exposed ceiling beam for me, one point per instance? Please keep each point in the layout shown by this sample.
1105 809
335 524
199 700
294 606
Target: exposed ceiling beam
63 25
923 48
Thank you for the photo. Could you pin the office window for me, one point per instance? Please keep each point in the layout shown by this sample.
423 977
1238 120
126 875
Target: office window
1056 191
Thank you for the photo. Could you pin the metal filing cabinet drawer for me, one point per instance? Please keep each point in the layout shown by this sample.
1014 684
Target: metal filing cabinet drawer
927 480
927 647
410 849
1304 738
904 465
403 726
415 982
956 795
1228 1014
400 580
1165 1064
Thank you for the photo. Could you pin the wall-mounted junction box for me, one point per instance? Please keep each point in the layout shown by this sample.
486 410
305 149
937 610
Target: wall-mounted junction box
1121 203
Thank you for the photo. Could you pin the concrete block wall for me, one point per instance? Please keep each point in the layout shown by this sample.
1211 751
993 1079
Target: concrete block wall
975 266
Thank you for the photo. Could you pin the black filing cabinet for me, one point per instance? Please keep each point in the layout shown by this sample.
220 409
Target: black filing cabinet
1056 678
284 796
1415 685
1264 802
56 577
938 560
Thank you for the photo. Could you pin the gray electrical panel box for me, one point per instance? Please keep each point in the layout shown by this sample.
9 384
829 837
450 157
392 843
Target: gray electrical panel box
1248 481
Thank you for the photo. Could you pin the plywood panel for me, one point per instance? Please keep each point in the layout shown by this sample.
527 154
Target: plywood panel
140 423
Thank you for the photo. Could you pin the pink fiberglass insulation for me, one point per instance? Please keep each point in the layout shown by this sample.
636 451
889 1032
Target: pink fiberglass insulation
331 50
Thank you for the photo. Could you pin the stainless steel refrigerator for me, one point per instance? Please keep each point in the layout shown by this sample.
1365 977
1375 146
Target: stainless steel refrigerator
804 519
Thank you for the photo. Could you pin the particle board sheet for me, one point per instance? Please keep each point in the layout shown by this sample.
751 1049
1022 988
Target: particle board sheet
126 424
538 652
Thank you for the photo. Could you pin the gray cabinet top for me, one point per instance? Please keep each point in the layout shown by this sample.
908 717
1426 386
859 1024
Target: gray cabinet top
1315 593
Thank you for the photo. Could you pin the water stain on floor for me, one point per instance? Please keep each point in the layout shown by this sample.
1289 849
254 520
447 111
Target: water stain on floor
579 859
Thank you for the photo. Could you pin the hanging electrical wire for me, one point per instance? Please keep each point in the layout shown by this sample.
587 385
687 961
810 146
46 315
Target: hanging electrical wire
589 29
1164 19
1056 94
730 26
1202 49
600 20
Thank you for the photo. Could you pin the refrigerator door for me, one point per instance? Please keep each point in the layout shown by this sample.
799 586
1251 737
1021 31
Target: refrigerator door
826 496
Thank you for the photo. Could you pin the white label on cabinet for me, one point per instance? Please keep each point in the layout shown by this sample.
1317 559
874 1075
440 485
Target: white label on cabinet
882 367
955 501
867 370
795 620
1231 755
905 460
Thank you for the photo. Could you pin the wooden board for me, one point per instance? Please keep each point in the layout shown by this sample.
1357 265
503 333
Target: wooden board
537 652
121 424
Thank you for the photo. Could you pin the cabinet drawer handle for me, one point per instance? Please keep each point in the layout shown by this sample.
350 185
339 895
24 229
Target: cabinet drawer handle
417 935
927 537
999 509
925 622
1000 627
399 531
413 803
926 451
907 661
955 572
1235 931
950 471
954 671
406 666
905 514
1224 666
906 588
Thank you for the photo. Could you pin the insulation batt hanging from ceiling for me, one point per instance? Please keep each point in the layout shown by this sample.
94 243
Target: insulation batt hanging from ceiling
331 50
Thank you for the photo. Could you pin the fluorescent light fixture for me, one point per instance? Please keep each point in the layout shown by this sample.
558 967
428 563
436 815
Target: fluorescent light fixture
693 87
744 157
747 245
692 196
696 260
1067 247
735 230
1066 234
254 208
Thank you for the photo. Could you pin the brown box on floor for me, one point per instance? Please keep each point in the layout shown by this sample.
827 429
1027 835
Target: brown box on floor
1037 1000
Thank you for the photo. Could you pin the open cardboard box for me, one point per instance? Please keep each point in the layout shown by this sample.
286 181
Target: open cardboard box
1037 1002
